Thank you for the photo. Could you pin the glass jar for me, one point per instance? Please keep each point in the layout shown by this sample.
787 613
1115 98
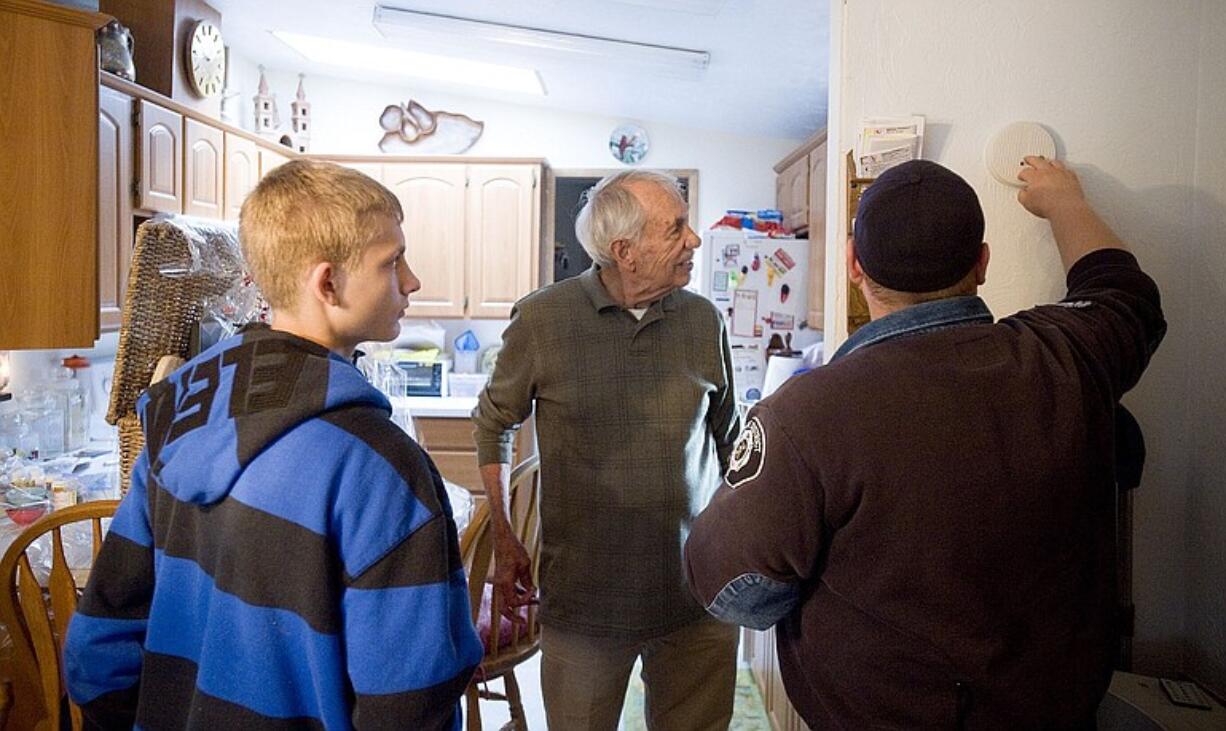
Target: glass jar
70 394
41 411
64 493
16 437
81 374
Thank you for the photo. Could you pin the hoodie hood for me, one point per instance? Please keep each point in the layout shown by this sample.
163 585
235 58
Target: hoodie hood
210 418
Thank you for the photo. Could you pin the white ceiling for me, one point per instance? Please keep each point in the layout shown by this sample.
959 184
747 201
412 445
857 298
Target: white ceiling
767 76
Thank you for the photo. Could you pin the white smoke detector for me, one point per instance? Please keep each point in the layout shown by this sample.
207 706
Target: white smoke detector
1005 151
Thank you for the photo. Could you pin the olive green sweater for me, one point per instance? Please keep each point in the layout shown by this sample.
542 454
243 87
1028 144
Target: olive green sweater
635 421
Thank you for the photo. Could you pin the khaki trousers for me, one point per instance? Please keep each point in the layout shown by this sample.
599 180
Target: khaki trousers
689 677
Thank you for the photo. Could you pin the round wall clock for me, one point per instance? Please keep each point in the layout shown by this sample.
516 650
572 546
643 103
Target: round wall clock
206 59
629 143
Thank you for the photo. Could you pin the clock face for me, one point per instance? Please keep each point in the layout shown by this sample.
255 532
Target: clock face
206 59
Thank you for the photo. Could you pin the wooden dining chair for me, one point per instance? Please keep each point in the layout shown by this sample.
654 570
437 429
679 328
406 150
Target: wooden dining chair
37 616
506 644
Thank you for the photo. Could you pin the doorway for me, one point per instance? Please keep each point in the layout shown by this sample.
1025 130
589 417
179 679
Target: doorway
569 258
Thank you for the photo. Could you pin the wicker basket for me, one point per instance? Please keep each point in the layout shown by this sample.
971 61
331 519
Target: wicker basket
177 263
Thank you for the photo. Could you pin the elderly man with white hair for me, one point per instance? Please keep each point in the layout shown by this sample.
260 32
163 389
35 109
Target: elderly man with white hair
631 379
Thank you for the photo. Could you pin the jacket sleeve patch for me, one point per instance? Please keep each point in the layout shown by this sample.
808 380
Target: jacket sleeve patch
748 455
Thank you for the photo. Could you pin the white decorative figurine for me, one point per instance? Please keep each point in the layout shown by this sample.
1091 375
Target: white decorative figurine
266 118
300 122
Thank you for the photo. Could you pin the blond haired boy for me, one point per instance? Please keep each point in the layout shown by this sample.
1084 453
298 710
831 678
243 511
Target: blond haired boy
286 555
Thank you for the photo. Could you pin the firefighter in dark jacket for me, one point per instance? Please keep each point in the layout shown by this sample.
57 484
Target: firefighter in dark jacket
928 519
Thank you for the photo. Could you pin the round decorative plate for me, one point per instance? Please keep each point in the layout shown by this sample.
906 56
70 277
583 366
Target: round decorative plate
629 143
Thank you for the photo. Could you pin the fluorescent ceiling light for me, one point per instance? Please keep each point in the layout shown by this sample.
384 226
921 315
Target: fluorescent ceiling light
396 21
448 69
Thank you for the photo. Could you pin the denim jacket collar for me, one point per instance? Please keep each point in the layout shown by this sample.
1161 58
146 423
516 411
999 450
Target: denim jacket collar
924 317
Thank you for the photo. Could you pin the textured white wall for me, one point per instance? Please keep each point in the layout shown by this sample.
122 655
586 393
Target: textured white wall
1116 81
1206 540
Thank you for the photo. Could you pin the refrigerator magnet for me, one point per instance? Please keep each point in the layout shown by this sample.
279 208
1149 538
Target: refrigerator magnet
781 321
732 252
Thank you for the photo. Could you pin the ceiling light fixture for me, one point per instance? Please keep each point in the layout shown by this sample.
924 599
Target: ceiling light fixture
398 22
395 61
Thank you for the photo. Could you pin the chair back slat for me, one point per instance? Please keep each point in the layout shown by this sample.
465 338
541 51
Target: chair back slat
477 552
526 485
96 531
38 628
62 587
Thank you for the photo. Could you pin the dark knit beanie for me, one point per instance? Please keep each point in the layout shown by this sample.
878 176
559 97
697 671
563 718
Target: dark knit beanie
919 228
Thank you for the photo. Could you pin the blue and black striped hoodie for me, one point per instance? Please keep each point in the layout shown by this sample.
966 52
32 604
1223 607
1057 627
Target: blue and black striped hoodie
286 557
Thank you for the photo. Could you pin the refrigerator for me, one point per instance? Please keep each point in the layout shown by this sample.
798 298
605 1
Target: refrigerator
760 285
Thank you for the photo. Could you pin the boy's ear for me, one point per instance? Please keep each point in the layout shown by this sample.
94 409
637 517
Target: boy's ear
323 283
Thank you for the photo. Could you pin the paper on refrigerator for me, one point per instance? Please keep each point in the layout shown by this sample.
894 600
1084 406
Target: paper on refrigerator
745 313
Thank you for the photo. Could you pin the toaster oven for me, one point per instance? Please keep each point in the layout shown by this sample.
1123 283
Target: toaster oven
426 379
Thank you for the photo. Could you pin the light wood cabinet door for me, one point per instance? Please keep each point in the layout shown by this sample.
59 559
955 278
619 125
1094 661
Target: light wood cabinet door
271 160
370 169
432 197
792 194
161 159
817 237
503 213
449 440
115 160
242 173
203 170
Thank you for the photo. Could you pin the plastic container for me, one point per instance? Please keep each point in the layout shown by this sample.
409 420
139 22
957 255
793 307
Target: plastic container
465 355
64 493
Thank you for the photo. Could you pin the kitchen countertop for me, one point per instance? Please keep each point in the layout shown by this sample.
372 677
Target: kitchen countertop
453 407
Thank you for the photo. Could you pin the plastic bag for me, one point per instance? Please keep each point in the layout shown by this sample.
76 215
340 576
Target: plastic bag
422 335
212 248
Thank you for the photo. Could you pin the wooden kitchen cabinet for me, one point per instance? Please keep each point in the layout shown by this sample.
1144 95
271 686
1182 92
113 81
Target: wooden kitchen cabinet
433 200
115 160
450 444
762 655
203 170
242 172
503 231
271 160
800 193
48 178
161 159
792 193
473 234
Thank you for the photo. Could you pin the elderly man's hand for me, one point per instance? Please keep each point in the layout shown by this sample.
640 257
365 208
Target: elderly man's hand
1050 187
512 576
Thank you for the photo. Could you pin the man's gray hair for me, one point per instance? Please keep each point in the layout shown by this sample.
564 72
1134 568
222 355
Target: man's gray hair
612 212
